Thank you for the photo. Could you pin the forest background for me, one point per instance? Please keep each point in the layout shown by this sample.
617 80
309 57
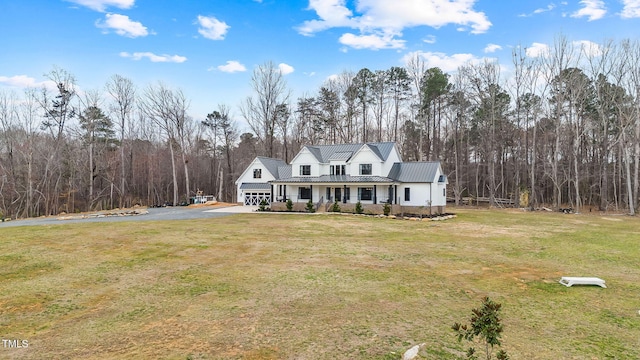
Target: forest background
562 129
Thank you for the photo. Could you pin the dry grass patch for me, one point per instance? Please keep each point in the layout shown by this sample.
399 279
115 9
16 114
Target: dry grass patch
259 286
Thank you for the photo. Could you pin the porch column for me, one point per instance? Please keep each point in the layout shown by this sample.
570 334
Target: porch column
375 194
344 195
271 195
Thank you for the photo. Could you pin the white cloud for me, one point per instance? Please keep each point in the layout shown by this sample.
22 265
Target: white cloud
593 9
285 69
430 39
539 11
232 66
443 61
537 50
373 42
384 20
21 81
101 5
589 48
491 48
153 57
631 9
212 28
122 25
332 13
333 77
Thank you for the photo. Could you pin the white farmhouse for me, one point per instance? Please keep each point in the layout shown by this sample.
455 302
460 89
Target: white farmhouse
371 173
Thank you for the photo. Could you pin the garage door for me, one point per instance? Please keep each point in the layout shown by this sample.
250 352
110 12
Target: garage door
255 198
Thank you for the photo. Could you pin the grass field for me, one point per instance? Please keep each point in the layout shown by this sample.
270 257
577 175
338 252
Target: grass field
264 286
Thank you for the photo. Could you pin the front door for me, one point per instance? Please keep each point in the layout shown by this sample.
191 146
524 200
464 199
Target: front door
338 193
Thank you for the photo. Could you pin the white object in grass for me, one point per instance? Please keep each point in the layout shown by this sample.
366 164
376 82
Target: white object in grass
570 281
412 352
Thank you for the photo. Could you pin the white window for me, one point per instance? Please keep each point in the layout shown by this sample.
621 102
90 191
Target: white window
337 170
365 193
257 173
305 169
365 169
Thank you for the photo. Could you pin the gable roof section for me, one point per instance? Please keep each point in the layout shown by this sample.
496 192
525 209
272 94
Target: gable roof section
344 152
340 156
272 165
415 172
284 172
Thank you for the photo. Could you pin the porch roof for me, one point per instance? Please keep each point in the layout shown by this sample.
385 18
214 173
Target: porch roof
255 186
331 179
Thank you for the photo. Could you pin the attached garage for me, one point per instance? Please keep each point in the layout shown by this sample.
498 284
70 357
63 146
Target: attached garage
254 193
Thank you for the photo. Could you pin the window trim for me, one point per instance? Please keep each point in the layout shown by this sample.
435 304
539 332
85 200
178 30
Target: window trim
407 194
366 166
303 168
362 190
257 172
300 192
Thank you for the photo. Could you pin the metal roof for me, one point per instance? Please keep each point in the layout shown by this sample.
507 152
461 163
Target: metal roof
325 153
284 172
334 179
255 186
340 156
272 165
415 172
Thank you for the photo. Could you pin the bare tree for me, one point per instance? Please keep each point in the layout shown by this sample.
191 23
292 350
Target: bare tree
559 58
123 93
270 90
167 109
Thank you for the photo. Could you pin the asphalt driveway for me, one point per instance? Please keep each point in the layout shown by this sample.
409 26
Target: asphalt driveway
154 214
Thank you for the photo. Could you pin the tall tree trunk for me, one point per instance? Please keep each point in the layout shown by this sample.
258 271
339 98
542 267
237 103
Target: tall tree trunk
173 172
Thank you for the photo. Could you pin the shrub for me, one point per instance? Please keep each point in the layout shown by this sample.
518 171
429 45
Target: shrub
335 207
486 326
386 209
359 209
263 205
289 205
310 208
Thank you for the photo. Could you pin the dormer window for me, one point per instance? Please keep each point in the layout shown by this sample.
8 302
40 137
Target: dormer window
305 169
365 169
337 170
257 173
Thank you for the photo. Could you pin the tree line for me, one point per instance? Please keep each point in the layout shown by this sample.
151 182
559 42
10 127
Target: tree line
559 129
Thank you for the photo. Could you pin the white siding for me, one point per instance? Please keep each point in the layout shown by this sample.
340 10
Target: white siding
365 156
247 177
304 157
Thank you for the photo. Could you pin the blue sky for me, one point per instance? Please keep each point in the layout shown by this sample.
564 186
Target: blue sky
210 48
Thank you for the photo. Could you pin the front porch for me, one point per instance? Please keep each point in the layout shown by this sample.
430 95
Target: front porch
328 193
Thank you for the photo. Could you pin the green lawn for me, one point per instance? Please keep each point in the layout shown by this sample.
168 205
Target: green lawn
265 286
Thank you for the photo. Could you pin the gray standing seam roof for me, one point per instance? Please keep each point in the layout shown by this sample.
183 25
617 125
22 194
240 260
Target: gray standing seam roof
334 179
415 172
341 156
272 165
325 153
255 186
